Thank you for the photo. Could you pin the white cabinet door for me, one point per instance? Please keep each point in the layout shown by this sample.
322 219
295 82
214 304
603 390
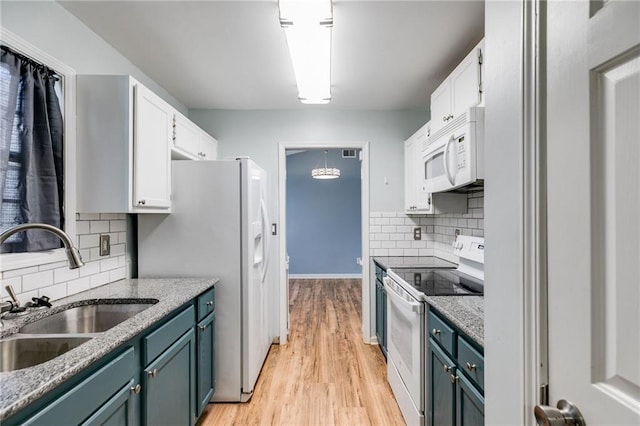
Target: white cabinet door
440 106
186 137
593 206
459 91
208 147
151 153
409 176
465 82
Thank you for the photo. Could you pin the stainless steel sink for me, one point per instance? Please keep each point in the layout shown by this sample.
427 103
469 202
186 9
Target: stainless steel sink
23 352
85 319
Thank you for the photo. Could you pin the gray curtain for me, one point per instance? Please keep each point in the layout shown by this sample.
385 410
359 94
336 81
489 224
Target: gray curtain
31 152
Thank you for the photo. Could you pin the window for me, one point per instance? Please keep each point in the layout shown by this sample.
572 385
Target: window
15 156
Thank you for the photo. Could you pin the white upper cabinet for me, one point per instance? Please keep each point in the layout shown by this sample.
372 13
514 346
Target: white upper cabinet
123 147
152 163
191 142
459 91
416 198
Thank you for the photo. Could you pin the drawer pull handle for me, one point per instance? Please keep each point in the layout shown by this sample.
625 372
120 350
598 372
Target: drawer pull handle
210 303
446 368
136 389
436 332
153 373
453 378
203 327
470 367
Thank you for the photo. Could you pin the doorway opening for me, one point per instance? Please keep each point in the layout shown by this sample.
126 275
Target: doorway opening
324 224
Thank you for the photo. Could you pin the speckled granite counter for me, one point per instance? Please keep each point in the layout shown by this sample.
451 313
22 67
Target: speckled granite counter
413 262
19 388
466 312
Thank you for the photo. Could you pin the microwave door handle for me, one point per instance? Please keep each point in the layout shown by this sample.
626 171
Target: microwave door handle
446 160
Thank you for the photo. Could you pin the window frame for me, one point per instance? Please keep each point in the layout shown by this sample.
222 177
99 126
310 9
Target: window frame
12 261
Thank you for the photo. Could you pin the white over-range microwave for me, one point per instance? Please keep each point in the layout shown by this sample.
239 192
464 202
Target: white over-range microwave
453 157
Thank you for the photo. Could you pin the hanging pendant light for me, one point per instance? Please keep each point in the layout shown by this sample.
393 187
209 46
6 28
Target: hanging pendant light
325 172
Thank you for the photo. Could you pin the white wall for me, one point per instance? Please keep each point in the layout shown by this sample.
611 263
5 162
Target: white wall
51 28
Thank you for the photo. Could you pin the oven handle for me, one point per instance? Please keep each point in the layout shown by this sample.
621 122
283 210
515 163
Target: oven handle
417 307
446 160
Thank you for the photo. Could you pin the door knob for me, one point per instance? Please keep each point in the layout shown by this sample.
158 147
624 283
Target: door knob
565 414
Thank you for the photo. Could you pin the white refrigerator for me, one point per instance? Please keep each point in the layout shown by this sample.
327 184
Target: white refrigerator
219 227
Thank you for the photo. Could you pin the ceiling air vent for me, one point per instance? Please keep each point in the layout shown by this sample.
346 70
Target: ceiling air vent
348 153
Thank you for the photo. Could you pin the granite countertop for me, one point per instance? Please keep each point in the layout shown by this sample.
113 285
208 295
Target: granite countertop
19 388
466 312
398 262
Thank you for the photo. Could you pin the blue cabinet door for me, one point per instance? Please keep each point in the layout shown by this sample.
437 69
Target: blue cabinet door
168 387
118 411
205 379
469 404
442 389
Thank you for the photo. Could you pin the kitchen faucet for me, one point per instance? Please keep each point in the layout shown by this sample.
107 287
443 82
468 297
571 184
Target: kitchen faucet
75 260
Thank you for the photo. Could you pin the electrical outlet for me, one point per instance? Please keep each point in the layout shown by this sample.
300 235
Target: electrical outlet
105 245
417 233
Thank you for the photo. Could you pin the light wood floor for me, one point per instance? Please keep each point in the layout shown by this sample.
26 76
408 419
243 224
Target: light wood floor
325 374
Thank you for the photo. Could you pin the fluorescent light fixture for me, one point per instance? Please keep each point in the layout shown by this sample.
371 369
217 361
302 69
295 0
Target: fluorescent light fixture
307 27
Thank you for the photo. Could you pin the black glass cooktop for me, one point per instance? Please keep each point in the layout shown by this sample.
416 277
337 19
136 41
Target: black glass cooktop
441 282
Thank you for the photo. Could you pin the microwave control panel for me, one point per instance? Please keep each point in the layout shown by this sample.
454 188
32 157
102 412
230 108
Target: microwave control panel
461 151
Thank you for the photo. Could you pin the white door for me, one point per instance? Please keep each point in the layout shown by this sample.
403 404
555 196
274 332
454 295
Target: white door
593 152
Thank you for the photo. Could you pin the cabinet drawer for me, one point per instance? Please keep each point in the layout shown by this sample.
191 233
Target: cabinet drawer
471 362
80 402
155 343
206 304
441 332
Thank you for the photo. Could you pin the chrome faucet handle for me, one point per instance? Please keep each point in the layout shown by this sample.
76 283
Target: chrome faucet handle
12 294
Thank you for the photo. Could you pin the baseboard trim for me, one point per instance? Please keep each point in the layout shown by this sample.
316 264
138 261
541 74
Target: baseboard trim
325 276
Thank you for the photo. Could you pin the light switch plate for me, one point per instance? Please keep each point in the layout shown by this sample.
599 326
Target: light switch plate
105 245
417 233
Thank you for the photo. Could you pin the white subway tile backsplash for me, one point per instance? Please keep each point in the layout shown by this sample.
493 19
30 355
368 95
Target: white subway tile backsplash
65 274
55 280
88 241
391 233
38 280
99 279
118 225
109 216
99 226
108 264
88 216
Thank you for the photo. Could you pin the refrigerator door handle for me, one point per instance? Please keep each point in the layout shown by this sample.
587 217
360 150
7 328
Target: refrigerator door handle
265 239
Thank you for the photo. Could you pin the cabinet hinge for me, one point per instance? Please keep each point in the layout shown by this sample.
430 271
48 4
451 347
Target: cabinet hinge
480 56
544 394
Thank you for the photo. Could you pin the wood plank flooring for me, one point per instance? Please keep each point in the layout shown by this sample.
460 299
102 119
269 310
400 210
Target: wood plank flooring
325 374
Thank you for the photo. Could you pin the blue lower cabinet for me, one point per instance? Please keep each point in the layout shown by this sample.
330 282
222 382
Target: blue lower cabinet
118 411
470 404
205 379
442 391
169 385
79 404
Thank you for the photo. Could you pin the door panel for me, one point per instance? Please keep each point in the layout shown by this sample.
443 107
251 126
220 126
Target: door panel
593 145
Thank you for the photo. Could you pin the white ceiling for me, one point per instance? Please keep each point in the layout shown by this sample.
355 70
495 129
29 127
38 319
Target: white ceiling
386 55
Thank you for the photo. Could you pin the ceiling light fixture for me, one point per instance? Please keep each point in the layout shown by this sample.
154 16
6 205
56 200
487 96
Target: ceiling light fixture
307 27
325 172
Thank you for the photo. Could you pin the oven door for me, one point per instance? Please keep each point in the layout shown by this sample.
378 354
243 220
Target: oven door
405 348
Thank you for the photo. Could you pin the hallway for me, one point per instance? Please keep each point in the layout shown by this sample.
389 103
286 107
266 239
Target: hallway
325 374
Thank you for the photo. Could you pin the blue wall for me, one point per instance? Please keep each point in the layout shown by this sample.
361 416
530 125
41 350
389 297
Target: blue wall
323 216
